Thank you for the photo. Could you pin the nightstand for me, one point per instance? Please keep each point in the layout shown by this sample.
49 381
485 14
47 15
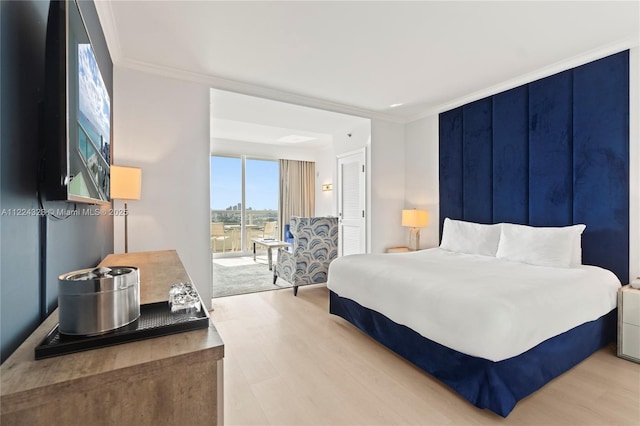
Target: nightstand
629 323
398 250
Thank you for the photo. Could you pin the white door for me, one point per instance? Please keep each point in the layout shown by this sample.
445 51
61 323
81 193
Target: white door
351 203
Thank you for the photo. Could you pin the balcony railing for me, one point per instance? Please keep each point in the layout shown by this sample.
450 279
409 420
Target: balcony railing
231 241
95 164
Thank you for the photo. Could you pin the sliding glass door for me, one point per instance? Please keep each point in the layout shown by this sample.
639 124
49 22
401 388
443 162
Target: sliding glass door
244 202
226 204
261 196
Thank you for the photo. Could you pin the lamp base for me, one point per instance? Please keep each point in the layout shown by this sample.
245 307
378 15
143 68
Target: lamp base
414 239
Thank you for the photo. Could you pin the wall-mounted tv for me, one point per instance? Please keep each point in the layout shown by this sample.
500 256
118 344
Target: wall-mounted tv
77 113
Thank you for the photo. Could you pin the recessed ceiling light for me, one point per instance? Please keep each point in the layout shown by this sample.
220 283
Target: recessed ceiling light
394 105
295 139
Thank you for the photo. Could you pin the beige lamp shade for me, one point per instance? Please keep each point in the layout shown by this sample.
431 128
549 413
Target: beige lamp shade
126 183
415 218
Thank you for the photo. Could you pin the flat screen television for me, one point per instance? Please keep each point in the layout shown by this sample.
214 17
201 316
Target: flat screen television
77 112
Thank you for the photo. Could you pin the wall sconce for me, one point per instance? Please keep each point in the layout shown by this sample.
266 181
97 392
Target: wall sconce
327 187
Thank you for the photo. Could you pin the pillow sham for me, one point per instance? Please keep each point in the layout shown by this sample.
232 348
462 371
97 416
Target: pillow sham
576 252
470 238
542 246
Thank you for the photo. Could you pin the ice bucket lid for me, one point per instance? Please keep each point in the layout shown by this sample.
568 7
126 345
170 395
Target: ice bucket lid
98 280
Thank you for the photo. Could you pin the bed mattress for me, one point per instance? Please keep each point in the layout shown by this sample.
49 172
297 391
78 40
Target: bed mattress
477 305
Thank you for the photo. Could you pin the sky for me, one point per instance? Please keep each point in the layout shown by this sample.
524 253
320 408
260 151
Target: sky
262 183
94 98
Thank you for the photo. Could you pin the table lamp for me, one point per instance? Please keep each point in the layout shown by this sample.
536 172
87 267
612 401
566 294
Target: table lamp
415 219
126 184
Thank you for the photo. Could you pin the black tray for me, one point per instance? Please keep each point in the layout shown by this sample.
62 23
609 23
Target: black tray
155 320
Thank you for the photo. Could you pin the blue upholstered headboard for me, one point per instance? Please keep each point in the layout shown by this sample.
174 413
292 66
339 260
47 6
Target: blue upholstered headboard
553 152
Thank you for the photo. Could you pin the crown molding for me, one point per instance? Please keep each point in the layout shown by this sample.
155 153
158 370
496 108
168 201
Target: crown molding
110 29
574 61
254 90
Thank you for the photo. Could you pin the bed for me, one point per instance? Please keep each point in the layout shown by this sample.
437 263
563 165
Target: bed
494 330
551 153
494 318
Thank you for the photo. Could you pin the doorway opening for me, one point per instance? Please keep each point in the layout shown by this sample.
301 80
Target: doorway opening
244 209
250 137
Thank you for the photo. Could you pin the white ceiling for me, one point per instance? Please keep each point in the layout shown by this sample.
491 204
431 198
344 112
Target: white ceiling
365 55
251 119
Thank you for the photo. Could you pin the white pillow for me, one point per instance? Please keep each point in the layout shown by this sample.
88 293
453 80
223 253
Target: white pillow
576 253
470 238
543 246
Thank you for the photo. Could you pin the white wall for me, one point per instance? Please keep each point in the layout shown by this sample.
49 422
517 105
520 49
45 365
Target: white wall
387 183
353 139
421 168
162 126
421 163
325 170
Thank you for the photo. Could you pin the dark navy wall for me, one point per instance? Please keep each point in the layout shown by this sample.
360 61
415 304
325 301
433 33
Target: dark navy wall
511 156
553 152
35 249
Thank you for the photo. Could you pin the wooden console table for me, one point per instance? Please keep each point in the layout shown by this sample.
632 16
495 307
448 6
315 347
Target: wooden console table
169 380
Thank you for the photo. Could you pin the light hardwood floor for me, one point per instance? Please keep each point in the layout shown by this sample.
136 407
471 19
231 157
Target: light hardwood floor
289 362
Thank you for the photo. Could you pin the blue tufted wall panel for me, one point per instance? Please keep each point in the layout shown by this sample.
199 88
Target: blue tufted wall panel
601 161
550 151
553 152
511 156
477 176
450 170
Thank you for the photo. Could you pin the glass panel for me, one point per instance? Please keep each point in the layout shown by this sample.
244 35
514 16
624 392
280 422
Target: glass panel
261 196
226 204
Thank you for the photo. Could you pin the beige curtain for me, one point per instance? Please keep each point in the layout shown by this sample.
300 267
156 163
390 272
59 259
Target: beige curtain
297 190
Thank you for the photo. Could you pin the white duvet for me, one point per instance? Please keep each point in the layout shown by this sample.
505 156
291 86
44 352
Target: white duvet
477 305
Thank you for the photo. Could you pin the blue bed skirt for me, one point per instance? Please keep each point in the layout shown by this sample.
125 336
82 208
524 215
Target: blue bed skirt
497 386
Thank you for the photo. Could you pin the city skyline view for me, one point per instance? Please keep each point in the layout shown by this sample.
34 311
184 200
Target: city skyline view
261 183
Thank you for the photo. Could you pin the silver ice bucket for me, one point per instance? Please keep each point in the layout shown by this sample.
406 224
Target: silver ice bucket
98 300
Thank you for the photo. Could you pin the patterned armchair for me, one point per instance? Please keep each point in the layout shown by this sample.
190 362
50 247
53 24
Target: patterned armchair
315 245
